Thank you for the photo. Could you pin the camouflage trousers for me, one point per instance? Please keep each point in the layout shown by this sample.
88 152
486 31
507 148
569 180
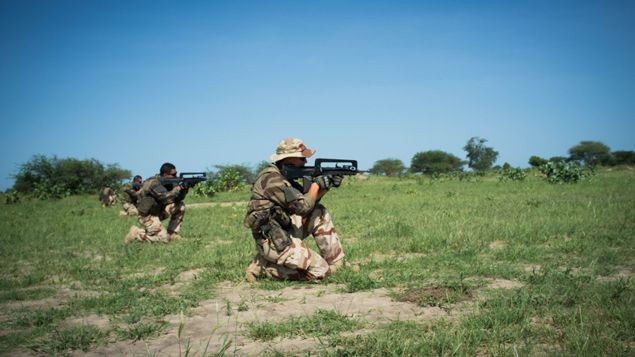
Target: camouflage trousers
129 210
153 230
109 201
297 261
320 225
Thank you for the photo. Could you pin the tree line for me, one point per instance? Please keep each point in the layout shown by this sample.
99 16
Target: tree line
49 177
480 157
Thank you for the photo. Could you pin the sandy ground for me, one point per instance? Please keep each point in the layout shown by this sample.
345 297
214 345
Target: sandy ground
209 327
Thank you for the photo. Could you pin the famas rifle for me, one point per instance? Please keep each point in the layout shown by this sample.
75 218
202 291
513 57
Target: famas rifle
323 167
186 180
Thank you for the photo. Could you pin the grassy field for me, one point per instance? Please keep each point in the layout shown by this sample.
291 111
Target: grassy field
512 268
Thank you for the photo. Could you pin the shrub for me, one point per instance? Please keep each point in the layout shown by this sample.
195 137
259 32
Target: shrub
228 180
46 177
512 173
565 172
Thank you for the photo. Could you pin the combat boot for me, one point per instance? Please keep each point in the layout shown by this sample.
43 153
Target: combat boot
255 269
133 234
335 266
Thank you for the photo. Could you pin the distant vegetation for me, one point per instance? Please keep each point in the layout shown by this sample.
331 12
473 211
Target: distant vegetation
51 177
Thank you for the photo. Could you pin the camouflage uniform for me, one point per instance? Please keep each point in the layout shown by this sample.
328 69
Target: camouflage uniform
280 217
107 196
130 197
155 204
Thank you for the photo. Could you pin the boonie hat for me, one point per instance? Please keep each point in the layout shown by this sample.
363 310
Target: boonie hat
291 147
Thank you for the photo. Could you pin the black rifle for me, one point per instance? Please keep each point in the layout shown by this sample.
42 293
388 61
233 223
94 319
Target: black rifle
323 167
186 180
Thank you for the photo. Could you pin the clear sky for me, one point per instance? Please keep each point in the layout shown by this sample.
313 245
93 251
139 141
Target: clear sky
200 83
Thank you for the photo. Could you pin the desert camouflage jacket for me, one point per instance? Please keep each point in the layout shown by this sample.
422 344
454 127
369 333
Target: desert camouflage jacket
273 189
153 197
129 194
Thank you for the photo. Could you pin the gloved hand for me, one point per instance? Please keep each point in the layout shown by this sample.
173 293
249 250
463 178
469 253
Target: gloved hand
337 180
325 181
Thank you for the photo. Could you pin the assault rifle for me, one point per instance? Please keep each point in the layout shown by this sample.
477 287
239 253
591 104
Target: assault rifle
322 167
186 180
134 190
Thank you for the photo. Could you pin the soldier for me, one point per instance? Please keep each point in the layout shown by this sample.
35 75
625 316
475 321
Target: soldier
107 196
158 201
280 216
130 197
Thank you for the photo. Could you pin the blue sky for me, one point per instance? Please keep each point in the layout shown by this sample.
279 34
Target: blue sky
201 83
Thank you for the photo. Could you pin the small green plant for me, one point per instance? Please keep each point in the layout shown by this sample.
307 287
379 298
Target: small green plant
321 323
140 331
242 305
73 338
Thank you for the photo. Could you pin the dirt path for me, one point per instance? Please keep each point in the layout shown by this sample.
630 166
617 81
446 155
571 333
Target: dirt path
217 204
212 324
211 321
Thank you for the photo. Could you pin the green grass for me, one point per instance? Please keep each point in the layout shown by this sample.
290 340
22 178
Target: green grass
431 242
321 323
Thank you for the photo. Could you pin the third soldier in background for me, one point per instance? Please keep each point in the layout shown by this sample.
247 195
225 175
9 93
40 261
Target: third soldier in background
156 203
130 197
107 196
280 216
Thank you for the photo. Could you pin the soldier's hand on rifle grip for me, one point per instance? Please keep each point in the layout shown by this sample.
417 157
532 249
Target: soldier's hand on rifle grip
325 182
337 180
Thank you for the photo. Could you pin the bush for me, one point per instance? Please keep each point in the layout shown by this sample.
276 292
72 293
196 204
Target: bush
203 189
46 177
227 179
565 172
512 173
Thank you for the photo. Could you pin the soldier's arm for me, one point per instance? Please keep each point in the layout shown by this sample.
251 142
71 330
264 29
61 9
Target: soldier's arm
163 196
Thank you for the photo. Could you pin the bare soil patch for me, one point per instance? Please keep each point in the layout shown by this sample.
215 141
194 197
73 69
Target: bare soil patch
622 273
217 322
217 204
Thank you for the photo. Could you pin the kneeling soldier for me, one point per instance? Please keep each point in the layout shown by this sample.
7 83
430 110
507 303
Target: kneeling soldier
107 196
280 216
156 203
130 197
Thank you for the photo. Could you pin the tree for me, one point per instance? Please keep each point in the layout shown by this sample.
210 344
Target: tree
53 177
623 157
388 167
435 161
558 159
537 161
480 157
590 153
